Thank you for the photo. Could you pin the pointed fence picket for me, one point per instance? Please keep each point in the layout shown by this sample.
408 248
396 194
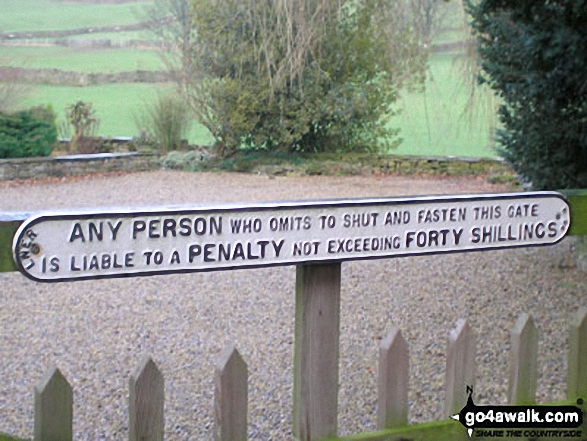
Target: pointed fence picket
53 408
146 401
524 362
460 367
392 410
577 369
54 397
230 397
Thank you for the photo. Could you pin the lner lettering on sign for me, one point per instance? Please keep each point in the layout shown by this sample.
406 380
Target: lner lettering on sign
124 243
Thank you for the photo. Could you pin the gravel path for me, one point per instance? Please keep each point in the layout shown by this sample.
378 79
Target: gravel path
97 331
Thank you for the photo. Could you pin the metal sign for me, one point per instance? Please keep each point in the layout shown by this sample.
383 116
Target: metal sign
125 243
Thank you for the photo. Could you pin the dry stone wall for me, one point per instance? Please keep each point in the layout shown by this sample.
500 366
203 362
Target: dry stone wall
78 31
75 165
70 78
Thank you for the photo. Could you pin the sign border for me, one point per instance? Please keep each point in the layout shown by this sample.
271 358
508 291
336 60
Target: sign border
266 206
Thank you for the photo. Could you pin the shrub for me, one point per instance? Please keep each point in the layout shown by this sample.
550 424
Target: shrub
165 122
85 124
27 133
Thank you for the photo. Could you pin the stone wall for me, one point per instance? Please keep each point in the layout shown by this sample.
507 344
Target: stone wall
71 78
85 43
442 165
80 31
406 164
75 165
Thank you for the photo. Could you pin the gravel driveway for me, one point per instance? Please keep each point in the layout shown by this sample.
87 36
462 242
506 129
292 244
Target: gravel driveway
97 331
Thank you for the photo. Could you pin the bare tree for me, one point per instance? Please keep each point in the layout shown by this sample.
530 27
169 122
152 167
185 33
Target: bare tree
172 24
425 14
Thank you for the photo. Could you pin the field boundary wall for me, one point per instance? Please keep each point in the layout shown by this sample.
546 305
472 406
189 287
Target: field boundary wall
75 165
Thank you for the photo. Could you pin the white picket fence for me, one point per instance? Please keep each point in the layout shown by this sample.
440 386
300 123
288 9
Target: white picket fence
54 395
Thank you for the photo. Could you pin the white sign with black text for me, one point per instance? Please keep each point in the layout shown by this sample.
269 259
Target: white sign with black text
123 243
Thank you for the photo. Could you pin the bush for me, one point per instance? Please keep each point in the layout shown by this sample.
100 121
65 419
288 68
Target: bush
165 123
27 133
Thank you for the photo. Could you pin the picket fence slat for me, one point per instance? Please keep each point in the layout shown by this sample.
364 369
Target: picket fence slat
53 408
230 397
577 358
392 398
460 367
316 351
146 402
523 378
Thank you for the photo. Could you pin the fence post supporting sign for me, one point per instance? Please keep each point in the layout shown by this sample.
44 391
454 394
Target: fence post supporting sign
317 330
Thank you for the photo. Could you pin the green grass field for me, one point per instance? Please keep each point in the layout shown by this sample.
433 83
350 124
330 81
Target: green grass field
116 105
9 438
45 15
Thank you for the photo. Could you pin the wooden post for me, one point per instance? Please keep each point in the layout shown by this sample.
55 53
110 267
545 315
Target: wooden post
230 397
460 367
523 362
392 401
577 369
53 408
146 403
317 330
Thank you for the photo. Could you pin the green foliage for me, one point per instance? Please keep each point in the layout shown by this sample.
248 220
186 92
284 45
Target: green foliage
533 55
27 133
245 161
282 76
4 437
165 122
502 178
177 160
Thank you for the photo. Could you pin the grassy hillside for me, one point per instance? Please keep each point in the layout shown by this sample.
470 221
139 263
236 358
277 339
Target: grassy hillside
44 15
